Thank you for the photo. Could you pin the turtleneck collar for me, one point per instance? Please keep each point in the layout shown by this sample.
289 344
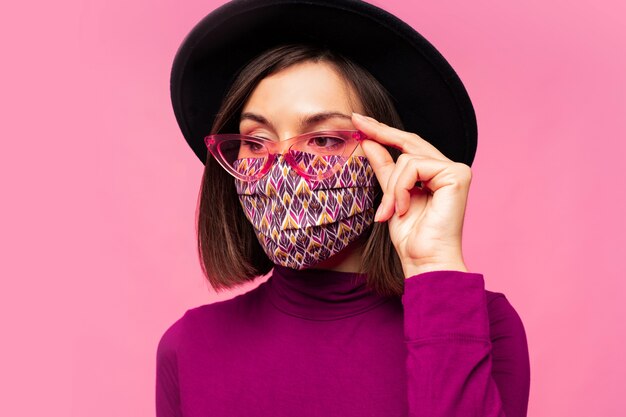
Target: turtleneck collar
320 294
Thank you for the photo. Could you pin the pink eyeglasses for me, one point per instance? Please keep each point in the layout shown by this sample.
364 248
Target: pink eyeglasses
314 155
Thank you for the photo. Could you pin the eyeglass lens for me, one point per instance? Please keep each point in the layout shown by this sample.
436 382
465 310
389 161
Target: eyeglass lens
314 156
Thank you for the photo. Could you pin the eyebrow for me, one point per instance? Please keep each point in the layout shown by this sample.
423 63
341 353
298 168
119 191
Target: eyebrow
305 121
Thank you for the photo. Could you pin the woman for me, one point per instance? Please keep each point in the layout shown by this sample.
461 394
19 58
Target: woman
370 308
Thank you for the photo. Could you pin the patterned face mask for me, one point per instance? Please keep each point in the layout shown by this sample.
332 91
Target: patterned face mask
300 223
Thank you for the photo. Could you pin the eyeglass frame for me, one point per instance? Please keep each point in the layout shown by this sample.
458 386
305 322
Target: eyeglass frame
212 142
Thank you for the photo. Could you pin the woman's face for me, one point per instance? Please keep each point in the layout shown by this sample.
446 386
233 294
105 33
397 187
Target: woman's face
302 98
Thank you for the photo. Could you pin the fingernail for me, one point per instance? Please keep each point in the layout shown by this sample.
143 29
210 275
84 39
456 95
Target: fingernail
377 215
360 116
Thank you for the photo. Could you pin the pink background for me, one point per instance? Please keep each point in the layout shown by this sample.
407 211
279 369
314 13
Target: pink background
99 191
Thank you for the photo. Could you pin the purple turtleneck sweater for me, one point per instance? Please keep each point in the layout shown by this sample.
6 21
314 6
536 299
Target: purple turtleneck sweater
318 343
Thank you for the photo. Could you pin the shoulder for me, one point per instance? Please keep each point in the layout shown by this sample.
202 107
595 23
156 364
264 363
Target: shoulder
500 309
239 306
169 340
213 316
510 355
506 326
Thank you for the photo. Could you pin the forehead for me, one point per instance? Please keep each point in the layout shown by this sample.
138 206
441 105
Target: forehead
303 87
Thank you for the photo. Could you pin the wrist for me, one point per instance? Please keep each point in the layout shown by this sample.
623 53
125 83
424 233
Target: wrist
416 267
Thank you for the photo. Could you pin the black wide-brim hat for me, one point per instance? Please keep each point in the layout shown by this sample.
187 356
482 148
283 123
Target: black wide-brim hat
428 94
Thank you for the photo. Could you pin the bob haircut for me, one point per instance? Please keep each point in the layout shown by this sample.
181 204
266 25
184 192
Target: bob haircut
229 251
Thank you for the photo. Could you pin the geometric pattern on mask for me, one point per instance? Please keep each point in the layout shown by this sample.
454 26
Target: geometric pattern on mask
300 222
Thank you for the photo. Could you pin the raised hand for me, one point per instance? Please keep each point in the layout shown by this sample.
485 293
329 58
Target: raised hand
425 223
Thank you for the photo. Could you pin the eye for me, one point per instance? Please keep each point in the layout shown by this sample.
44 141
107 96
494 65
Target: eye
325 142
252 146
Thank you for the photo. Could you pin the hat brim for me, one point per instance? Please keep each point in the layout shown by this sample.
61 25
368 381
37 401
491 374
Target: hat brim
429 96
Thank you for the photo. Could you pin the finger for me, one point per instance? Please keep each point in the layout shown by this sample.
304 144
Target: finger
435 174
381 161
388 203
406 181
405 141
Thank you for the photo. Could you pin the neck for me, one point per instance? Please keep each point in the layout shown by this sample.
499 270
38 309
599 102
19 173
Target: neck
317 294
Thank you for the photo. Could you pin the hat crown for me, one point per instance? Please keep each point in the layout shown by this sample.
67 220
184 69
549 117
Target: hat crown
429 96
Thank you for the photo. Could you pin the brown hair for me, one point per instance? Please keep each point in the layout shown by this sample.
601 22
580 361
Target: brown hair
229 251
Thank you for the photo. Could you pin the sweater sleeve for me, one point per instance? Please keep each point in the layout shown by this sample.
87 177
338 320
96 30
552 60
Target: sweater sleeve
459 363
167 389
